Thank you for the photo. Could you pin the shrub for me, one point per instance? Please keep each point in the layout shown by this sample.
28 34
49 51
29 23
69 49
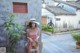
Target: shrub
76 36
14 32
48 29
11 52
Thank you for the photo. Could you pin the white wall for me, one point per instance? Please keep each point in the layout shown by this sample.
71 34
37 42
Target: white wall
78 16
48 14
70 20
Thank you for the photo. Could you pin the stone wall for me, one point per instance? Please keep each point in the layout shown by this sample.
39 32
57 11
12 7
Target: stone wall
34 10
6 6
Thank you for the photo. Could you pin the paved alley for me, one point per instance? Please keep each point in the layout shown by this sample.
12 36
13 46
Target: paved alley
59 44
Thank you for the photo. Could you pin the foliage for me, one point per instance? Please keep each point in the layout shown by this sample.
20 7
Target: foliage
76 36
47 28
14 31
11 52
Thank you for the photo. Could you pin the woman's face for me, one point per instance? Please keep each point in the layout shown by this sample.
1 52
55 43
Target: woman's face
33 25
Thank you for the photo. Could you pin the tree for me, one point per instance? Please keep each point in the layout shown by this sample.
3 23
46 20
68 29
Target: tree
14 32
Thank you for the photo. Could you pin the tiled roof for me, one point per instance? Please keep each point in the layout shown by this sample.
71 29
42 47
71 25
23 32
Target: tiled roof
57 0
58 11
62 0
73 4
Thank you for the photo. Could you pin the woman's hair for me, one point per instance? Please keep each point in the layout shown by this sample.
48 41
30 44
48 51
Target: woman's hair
30 24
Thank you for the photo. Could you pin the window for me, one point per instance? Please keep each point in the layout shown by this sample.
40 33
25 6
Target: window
57 19
20 7
64 25
79 21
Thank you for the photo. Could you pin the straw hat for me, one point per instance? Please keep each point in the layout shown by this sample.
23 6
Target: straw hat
36 22
32 19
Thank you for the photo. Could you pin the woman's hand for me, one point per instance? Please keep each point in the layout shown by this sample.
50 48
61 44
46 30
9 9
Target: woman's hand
30 39
37 39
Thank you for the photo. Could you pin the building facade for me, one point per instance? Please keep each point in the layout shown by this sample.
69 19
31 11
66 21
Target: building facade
47 16
65 14
64 20
73 7
22 9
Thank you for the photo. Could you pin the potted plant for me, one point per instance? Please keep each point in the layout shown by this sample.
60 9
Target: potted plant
14 32
76 37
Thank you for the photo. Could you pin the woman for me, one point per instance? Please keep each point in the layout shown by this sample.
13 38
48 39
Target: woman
32 36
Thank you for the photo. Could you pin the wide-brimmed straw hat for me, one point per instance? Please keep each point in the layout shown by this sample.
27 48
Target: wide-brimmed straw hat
36 22
32 19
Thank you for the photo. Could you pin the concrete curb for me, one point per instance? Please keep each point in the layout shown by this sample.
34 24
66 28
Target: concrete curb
59 33
48 33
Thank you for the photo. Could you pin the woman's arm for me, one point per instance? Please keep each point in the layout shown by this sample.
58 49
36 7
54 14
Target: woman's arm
29 39
38 35
28 36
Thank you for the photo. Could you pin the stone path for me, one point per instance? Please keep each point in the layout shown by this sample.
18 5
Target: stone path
58 44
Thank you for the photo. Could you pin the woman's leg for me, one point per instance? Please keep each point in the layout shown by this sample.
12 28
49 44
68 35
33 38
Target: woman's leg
36 48
29 48
36 51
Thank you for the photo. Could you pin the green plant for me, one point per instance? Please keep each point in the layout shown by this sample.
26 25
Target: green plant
14 32
47 28
11 52
44 27
76 36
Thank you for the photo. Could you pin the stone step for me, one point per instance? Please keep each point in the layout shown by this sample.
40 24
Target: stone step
2 49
